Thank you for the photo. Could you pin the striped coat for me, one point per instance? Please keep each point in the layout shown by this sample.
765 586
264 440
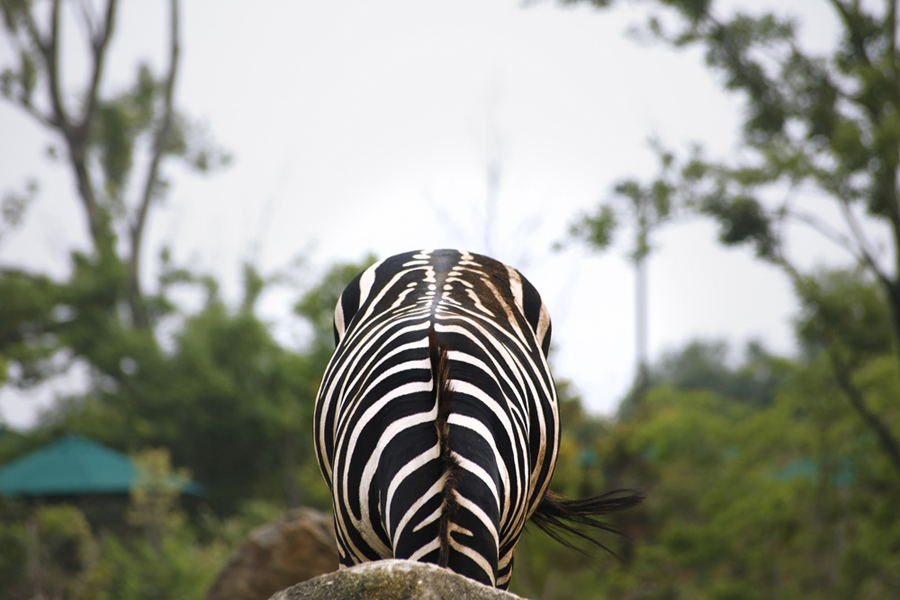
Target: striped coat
436 423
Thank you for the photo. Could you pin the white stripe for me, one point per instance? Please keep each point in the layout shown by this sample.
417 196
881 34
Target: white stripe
339 319
476 558
404 472
479 428
366 281
476 470
480 515
435 544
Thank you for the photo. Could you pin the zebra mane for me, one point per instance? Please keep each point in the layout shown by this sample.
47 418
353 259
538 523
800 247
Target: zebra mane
557 515
440 370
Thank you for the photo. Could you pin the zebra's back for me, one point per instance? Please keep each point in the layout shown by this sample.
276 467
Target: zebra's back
436 421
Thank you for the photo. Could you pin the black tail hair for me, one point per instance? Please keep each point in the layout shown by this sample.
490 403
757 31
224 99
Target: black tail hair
440 372
557 515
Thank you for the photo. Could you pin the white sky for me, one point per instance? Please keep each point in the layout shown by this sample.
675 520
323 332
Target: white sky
367 126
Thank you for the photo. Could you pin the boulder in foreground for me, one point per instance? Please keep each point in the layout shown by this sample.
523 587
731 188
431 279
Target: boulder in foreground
392 580
296 548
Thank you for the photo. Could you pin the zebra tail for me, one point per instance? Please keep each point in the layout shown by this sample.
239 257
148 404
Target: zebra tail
558 516
440 372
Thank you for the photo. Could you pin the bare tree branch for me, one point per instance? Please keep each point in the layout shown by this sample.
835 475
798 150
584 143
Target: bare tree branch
160 142
36 114
890 19
99 46
75 139
848 18
826 231
50 49
87 17
23 100
862 244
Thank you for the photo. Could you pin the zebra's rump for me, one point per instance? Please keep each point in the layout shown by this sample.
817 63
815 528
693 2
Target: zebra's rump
436 421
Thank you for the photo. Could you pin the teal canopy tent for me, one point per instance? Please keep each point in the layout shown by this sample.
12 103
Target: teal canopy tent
74 465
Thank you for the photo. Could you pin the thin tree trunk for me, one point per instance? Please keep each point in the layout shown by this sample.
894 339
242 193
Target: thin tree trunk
139 316
640 328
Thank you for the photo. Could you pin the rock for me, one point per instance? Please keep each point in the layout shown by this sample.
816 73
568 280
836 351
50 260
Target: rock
298 547
393 580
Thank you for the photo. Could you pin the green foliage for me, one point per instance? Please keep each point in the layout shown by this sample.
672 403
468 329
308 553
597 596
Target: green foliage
646 207
317 305
63 559
219 395
844 311
103 135
27 326
54 552
832 121
597 230
14 204
823 123
154 496
705 366
780 498
743 220
13 552
132 117
226 401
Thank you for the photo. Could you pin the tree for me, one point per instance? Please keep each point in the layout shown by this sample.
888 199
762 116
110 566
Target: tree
781 498
228 401
647 208
116 147
225 398
154 498
825 126
317 306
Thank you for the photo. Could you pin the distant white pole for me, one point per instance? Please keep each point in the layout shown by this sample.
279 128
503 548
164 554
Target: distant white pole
640 321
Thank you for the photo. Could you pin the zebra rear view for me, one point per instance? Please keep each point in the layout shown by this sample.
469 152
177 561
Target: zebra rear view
436 424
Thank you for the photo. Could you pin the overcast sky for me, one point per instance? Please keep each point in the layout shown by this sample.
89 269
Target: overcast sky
363 126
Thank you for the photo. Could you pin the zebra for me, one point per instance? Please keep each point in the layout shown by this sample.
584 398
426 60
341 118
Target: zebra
436 422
